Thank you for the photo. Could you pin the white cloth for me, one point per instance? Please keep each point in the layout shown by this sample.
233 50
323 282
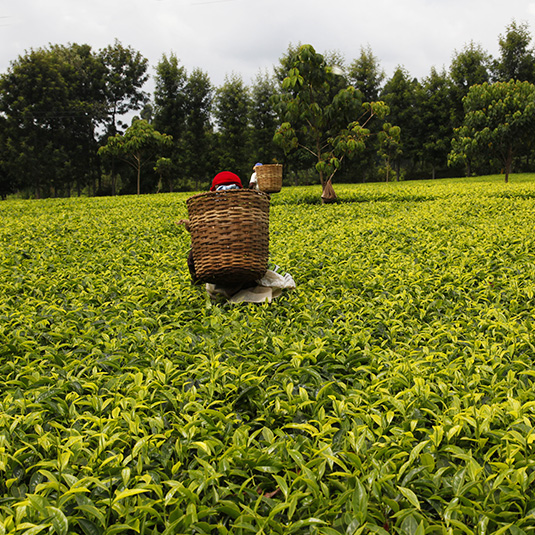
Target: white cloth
269 287
253 181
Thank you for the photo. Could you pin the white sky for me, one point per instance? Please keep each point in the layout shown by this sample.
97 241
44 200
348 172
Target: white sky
246 37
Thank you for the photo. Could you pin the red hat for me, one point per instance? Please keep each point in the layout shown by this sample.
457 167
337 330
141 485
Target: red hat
225 177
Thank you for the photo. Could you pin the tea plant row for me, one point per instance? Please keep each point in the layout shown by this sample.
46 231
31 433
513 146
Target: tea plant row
391 392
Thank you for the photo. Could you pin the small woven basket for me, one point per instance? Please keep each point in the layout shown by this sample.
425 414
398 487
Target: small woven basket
269 177
229 235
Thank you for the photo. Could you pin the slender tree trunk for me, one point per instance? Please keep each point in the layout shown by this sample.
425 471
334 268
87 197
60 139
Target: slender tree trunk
508 163
318 155
137 157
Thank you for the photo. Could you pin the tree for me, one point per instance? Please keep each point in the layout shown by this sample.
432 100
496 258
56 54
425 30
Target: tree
7 182
517 60
170 101
138 146
403 96
231 114
499 123
198 137
320 113
436 120
389 146
124 78
170 97
165 169
470 66
263 120
366 74
53 100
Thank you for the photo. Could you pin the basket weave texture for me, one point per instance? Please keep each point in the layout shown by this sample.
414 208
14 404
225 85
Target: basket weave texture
229 235
269 177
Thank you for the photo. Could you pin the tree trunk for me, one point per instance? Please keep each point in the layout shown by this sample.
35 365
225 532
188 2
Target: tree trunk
318 154
508 163
138 166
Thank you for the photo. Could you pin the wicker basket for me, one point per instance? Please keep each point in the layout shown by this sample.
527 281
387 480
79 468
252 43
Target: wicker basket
229 235
269 177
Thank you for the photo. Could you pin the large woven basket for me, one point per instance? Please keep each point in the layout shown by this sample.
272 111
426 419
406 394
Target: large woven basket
269 177
229 235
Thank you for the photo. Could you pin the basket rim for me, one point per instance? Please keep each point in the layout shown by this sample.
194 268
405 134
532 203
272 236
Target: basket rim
241 191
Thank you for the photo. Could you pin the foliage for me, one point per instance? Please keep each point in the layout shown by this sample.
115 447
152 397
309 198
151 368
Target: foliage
231 114
403 95
56 100
366 74
470 66
389 146
517 60
125 76
391 392
139 146
320 113
52 100
165 169
170 97
499 122
199 162
264 121
59 104
183 104
436 119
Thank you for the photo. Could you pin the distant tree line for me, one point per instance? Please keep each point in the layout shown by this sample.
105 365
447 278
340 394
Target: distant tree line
63 129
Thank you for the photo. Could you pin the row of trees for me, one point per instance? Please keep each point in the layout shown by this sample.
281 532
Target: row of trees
62 107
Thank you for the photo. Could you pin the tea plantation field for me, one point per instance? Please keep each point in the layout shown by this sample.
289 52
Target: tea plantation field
392 392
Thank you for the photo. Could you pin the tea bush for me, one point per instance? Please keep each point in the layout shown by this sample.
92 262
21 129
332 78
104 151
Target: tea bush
391 392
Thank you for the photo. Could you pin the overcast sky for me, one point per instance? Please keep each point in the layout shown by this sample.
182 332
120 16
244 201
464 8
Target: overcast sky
246 37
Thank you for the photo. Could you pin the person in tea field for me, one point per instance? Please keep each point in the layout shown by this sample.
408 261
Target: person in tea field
226 180
223 181
253 181
267 288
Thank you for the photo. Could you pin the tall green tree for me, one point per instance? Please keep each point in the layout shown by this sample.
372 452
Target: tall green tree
469 66
403 95
231 113
8 183
83 74
32 94
320 113
170 97
53 100
124 78
517 58
366 74
389 146
170 101
263 120
140 146
436 120
198 153
499 123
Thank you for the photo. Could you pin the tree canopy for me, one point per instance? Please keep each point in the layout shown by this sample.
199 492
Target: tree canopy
139 146
59 104
499 122
320 113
